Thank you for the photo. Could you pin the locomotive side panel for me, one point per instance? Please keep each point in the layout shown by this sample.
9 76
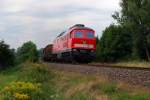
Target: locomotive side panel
61 44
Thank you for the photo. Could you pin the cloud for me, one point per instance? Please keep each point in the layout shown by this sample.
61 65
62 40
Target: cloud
42 20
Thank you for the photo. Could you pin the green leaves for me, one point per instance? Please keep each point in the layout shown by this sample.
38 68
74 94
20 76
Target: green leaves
134 16
7 56
115 44
27 52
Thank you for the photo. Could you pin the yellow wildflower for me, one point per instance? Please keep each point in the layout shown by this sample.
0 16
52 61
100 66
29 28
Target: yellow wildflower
7 88
21 90
21 96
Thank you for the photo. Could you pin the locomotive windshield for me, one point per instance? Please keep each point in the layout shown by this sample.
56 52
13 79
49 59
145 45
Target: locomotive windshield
90 35
78 34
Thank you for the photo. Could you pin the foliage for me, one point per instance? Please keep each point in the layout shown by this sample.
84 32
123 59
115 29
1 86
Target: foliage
36 72
27 52
39 73
7 56
115 44
31 81
20 91
135 15
130 38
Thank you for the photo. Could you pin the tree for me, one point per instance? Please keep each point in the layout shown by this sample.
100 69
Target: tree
135 15
27 52
115 44
7 56
97 39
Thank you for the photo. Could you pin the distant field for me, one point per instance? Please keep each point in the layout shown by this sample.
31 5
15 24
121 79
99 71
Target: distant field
36 81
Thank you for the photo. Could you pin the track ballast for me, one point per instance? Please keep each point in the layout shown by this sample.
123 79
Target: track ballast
132 75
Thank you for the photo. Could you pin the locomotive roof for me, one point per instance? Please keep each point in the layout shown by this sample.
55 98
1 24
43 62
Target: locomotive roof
77 26
62 33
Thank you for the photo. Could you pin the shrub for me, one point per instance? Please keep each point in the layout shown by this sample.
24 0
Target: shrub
7 56
115 44
40 73
35 72
27 52
20 91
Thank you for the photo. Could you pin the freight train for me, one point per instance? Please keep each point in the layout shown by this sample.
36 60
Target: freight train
77 44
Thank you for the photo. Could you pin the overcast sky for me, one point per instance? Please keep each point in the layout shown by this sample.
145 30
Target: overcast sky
42 20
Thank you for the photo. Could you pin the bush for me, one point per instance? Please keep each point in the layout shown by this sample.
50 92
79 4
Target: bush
20 91
35 72
39 73
7 56
33 81
27 52
115 44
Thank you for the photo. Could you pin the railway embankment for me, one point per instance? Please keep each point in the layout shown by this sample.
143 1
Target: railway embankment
55 81
132 75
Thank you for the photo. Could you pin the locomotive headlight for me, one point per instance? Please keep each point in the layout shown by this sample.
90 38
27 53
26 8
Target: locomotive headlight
91 46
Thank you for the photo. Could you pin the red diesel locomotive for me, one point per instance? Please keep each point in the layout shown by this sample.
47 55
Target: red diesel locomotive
77 44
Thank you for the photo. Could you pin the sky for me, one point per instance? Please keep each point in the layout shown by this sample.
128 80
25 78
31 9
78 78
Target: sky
42 20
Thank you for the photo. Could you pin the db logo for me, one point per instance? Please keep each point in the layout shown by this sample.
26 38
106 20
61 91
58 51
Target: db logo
84 42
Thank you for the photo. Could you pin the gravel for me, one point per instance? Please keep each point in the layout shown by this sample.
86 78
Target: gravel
132 76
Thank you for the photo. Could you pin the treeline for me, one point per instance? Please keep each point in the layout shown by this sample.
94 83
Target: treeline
10 57
129 38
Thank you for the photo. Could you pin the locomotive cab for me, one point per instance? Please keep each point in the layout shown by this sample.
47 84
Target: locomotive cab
84 39
83 44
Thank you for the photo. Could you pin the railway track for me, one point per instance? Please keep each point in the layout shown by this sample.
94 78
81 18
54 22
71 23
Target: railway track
132 75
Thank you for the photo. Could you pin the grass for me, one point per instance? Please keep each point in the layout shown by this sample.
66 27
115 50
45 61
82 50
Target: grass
8 76
27 73
143 64
140 64
84 87
59 85
107 88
